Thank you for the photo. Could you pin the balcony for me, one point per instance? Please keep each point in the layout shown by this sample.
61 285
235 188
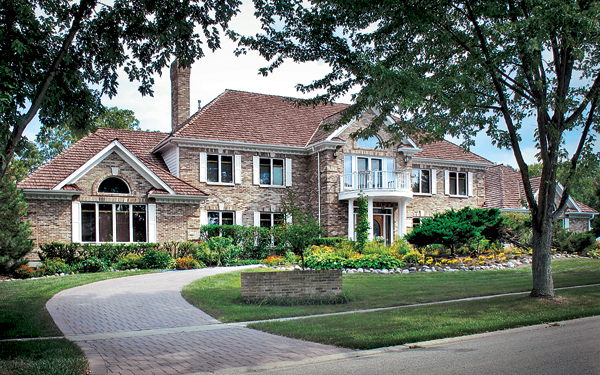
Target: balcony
376 184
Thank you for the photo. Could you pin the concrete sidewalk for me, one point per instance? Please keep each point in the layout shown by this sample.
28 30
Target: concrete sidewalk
142 325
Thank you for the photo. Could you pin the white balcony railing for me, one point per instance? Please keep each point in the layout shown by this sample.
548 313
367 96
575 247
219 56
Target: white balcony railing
376 180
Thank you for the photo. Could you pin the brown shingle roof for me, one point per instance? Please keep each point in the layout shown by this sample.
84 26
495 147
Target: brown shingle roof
240 116
449 151
138 143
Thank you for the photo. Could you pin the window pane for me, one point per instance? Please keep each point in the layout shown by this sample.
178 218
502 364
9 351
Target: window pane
425 181
122 223
212 168
453 183
462 183
347 164
277 172
363 164
226 169
113 185
376 164
265 171
139 223
213 218
88 222
105 223
390 164
415 180
265 220
277 219
371 142
227 218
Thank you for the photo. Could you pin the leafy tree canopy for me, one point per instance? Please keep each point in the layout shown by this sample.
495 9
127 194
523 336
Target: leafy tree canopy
58 57
456 68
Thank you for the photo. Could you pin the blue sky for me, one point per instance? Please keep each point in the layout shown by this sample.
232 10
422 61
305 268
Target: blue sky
222 70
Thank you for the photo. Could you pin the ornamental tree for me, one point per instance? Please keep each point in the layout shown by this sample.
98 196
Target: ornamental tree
456 68
58 57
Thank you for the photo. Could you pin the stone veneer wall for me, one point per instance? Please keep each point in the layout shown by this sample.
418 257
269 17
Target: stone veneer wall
292 284
579 225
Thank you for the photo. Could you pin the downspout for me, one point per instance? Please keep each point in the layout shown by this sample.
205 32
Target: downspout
319 184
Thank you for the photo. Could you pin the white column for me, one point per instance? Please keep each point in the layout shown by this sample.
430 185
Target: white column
370 200
402 214
351 219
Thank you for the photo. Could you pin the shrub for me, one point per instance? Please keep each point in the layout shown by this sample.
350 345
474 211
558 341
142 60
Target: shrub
129 261
93 264
223 251
57 265
362 225
273 260
401 246
566 241
71 253
413 257
156 260
24 272
328 241
377 261
186 263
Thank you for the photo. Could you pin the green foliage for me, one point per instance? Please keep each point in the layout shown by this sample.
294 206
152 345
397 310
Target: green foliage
14 231
456 228
328 241
223 251
187 263
93 264
129 262
377 256
515 229
57 59
566 241
57 265
156 260
256 242
362 225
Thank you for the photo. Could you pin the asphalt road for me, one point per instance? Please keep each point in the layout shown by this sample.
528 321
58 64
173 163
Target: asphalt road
569 347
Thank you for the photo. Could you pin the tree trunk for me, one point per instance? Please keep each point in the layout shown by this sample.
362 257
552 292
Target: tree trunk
543 285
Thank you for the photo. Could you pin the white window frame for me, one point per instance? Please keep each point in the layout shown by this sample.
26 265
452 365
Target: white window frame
354 162
257 215
149 218
286 171
419 178
468 180
219 163
221 216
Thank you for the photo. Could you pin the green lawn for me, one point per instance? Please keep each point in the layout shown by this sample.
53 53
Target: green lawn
415 324
23 314
220 295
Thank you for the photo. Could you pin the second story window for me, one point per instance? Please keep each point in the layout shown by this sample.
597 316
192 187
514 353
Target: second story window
219 168
113 185
457 183
421 181
271 171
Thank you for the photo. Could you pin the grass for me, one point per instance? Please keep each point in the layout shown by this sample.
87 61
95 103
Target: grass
220 295
415 324
23 314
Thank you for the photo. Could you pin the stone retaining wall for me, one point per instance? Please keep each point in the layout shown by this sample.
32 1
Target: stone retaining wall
292 284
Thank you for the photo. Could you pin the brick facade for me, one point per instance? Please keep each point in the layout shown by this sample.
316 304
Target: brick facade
292 284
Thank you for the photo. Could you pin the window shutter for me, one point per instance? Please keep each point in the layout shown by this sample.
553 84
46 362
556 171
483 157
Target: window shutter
288 218
203 217
288 172
255 170
151 222
203 167
447 182
76 221
238 218
238 169
566 223
433 181
470 184
257 219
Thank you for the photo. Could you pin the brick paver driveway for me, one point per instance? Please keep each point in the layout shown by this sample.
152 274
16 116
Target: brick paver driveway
142 325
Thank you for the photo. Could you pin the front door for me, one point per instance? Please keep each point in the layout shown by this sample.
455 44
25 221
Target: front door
382 224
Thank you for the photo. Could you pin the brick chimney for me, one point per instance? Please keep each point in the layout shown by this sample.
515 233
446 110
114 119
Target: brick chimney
180 95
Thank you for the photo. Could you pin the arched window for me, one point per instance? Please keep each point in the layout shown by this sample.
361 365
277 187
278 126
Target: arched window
113 185
371 142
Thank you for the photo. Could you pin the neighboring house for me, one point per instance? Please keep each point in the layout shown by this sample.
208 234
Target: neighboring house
505 191
231 162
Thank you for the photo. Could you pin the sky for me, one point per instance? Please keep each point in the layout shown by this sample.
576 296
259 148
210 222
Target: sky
216 72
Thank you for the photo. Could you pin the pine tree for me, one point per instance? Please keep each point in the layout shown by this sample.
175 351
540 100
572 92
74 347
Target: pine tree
14 231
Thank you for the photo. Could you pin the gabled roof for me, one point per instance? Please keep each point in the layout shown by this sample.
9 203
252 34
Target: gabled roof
445 150
240 116
55 173
504 190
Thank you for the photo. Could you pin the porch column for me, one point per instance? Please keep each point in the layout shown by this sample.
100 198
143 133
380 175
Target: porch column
402 214
370 200
351 219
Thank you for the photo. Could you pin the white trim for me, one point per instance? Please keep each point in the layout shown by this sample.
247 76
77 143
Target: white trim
152 222
256 219
288 172
239 218
237 175
447 182
566 222
202 177
118 148
255 170
76 221
203 217
470 192
50 194
339 130
165 198
451 163
433 178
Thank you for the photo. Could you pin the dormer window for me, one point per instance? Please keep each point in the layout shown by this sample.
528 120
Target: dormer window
371 142
113 185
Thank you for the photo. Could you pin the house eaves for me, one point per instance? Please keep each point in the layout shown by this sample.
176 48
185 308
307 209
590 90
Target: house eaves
451 163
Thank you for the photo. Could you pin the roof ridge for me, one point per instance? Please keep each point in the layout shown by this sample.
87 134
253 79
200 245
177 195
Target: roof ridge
282 96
